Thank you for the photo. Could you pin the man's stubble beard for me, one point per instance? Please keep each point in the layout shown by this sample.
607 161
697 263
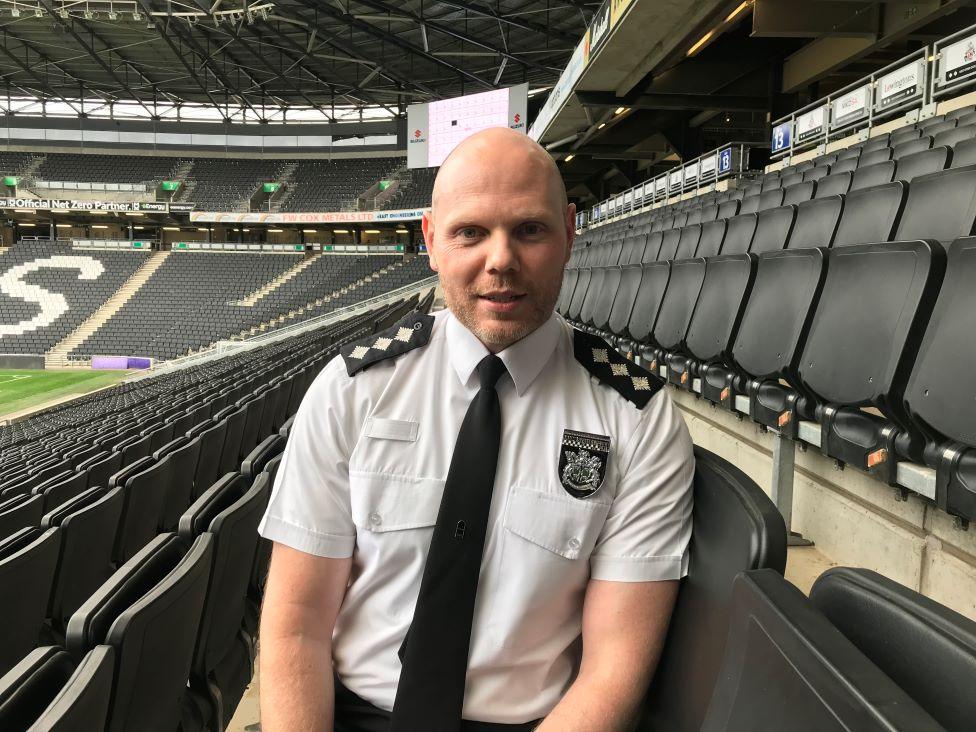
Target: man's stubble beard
499 332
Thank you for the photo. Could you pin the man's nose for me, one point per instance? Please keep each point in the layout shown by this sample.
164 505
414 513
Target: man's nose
501 255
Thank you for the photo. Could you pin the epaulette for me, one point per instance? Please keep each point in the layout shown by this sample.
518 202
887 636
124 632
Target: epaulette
408 333
632 382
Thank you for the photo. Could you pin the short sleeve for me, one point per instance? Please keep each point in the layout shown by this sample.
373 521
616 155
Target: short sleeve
647 531
309 508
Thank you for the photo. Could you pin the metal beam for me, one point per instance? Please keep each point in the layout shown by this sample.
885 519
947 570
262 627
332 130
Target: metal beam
528 25
48 5
398 41
445 30
723 102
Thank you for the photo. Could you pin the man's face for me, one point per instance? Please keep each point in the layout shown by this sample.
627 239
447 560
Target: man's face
499 238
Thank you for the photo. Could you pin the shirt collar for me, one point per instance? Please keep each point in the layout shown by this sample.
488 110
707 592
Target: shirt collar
524 359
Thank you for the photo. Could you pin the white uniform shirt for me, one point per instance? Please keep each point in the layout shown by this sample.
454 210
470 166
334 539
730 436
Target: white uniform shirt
363 473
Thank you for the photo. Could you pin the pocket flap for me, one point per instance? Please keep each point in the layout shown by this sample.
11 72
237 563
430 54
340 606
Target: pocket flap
391 429
382 502
567 527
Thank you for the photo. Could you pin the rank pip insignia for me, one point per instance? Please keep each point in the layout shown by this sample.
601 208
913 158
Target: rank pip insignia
583 462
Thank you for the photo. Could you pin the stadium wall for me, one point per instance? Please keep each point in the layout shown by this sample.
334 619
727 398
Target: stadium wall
853 518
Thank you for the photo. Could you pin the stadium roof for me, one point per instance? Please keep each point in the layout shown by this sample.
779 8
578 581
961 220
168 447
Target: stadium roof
258 57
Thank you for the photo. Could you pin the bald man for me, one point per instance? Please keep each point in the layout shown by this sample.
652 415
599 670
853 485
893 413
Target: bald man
481 515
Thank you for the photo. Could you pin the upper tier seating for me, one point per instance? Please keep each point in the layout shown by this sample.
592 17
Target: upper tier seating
333 185
48 290
415 194
83 168
227 185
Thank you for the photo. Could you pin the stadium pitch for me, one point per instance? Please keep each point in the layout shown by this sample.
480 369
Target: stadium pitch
23 389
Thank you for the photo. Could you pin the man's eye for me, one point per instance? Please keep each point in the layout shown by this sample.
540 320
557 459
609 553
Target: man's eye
531 229
468 232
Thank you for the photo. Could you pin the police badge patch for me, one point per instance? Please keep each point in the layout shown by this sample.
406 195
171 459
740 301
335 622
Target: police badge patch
583 462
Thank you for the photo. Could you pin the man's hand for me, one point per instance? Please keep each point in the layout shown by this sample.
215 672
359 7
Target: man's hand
301 602
624 625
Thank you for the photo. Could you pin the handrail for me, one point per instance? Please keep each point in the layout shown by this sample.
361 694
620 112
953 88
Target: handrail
726 160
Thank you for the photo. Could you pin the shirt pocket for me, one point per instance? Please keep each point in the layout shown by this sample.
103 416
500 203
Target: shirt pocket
382 502
563 527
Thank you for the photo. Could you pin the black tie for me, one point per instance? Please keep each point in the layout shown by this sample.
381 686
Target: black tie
435 653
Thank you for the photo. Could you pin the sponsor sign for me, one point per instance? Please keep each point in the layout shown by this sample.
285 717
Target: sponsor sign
709 166
782 136
65 204
181 207
675 179
811 124
600 27
850 107
691 172
661 184
308 217
959 59
901 85
617 9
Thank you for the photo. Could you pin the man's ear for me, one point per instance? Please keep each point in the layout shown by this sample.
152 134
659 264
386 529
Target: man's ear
427 226
570 230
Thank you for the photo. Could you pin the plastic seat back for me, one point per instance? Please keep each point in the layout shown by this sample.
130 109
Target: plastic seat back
924 647
773 229
739 234
816 223
736 527
787 667
870 215
28 560
940 206
679 303
47 690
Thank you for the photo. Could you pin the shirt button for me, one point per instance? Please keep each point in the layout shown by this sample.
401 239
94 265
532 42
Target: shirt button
574 543
375 519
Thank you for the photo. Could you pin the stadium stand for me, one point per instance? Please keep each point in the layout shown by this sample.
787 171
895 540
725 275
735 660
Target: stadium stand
162 319
415 193
186 594
50 289
333 185
227 185
105 168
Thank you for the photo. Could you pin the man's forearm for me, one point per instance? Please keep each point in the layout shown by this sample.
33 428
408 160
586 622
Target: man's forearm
594 704
297 692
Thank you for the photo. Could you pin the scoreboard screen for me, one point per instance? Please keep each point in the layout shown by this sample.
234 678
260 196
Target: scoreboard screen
436 128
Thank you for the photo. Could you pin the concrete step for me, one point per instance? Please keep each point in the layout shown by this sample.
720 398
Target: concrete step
277 282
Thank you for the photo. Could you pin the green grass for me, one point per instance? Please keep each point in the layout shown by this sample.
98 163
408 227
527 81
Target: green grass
21 389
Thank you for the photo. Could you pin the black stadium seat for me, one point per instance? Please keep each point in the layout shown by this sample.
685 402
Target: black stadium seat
870 215
940 377
816 222
739 233
860 349
89 524
834 184
229 511
736 528
773 227
676 310
714 323
28 560
924 647
647 303
787 667
873 175
49 690
940 206
922 163
18 512
154 601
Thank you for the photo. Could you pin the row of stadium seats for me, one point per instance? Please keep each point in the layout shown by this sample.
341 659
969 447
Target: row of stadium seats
224 184
415 194
131 580
841 326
